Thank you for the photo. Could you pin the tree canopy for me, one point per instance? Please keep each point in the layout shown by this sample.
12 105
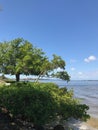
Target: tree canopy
19 56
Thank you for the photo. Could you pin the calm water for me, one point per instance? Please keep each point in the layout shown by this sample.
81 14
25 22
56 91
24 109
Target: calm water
86 90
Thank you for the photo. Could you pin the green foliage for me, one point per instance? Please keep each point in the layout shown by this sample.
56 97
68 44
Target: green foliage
57 61
62 75
41 103
19 56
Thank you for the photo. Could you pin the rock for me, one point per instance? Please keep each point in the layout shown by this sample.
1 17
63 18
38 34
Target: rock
38 127
6 128
58 127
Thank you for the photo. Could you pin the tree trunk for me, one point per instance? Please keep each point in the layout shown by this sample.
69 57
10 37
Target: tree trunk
17 77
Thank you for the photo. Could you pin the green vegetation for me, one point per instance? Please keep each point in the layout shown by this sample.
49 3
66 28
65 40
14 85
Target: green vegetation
41 103
36 102
19 56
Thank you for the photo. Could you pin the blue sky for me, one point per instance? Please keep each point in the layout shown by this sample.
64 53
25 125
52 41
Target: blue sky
68 28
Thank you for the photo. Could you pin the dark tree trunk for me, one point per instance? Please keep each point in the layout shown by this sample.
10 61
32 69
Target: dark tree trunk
17 77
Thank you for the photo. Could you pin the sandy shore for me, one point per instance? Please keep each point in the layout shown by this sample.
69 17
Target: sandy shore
91 124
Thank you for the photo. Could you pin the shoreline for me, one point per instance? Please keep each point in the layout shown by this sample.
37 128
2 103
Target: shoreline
93 122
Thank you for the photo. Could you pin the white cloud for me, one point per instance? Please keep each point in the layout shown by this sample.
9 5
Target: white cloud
72 69
90 58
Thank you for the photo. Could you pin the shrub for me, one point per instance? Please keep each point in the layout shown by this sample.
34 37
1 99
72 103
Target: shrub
40 103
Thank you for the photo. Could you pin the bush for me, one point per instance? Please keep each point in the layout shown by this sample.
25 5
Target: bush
40 103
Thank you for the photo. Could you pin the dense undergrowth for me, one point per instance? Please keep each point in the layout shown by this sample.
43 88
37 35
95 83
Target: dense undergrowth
41 103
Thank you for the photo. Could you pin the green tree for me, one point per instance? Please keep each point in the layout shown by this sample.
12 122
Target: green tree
19 56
